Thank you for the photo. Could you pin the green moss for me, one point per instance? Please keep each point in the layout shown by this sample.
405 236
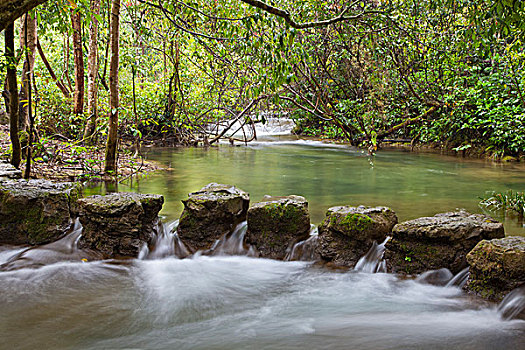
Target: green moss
355 222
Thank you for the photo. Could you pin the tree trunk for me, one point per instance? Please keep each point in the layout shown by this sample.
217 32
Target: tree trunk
92 73
13 94
59 82
78 96
111 145
29 64
10 10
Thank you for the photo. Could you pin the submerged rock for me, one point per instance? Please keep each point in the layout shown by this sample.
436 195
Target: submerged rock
9 172
210 213
497 266
119 224
443 240
275 224
36 211
347 233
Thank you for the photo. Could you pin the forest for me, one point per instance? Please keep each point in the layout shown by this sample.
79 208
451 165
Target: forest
98 76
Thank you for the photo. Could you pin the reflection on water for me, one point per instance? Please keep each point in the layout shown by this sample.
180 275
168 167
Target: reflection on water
238 303
412 184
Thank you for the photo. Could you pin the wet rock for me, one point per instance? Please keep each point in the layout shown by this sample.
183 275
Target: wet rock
435 277
8 172
36 211
497 266
210 213
347 233
275 224
119 224
443 240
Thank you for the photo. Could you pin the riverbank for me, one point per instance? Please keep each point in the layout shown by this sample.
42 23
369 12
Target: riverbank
55 159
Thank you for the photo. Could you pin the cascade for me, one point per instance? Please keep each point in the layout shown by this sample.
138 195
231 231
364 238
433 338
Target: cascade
305 250
372 261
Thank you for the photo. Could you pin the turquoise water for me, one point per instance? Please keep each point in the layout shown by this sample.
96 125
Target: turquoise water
412 184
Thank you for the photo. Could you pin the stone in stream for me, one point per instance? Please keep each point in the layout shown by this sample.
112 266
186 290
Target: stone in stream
210 213
36 211
275 224
119 224
440 241
347 233
9 172
496 267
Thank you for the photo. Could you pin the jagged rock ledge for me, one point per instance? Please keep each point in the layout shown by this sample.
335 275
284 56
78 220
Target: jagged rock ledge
36 211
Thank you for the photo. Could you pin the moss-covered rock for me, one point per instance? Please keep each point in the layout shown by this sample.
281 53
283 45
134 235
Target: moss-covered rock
440 241
119 224
275 224
496 267
36 211
347 232
210 213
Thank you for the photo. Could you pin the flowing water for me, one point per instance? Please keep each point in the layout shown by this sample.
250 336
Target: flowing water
55 297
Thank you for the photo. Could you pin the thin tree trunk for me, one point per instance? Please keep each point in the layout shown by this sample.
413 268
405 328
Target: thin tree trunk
29 99
59 82
13 94
92 73
78 96
111 145
28 40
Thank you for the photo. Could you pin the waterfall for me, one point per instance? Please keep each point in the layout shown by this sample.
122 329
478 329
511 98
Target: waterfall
305 250
513 305
460 279
233 244
372 262
165 244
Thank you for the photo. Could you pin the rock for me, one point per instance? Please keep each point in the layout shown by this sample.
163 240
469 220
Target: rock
497 266
347 233
435 277
210 213
119 224
275 224
443 240
8 172
36 211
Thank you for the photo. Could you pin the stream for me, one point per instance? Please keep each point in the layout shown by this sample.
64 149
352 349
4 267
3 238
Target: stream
228 299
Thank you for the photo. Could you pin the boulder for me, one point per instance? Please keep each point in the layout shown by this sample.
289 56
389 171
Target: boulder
210 213
496 267
440 241
119 224
347 233
9 172
36 211
275 224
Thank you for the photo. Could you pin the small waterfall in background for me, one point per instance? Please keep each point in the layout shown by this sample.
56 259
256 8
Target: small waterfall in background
305 250
165 244
233 244
513 305
372 262
460 279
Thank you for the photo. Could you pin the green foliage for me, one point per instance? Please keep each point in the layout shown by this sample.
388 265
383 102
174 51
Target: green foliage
508 201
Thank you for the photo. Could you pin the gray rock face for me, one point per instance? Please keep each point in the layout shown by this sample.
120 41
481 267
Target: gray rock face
496 267
210 213
9 172
276 223
443 240
36 211
347 233
118 224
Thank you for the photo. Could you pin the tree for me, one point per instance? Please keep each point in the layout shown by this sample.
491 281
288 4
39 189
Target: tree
78 95
111 144
13 94
28 41
92 72
10 10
